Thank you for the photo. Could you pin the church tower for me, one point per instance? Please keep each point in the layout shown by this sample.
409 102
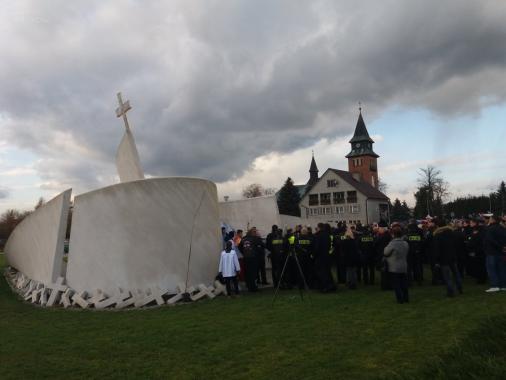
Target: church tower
313 173
362 161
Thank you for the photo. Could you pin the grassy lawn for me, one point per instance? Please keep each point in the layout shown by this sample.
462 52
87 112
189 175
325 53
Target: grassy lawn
359 334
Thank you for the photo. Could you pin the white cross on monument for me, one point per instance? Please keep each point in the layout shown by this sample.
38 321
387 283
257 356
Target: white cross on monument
127 157
123 109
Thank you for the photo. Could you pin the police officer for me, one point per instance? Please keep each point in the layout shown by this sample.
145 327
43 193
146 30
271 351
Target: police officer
290 274
251 247
367 255
268 245
322 261
476 263
277 255
304 251
338 258
415 255
381 240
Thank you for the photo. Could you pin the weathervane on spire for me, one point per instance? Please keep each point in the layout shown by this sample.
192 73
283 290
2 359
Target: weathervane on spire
360 107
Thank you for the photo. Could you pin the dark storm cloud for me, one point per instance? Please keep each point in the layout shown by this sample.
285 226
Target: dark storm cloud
216 84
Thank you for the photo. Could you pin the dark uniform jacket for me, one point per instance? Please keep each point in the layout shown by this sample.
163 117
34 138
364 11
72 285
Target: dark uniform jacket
349 249
475 242
321 245
304 246
494 242
444 246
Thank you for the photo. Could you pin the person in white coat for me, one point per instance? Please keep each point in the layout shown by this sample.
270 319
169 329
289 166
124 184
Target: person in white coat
229 268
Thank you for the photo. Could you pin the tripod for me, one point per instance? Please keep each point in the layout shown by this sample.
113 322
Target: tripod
292 254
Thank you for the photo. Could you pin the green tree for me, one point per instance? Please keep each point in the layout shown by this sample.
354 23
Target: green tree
9 220
406 211
501 198
288 199
400 211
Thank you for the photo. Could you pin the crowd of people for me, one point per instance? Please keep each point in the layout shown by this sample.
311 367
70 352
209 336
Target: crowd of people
392 256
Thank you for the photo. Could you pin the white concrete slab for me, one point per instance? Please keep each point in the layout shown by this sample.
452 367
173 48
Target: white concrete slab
56 289
260 212
35 247
80 300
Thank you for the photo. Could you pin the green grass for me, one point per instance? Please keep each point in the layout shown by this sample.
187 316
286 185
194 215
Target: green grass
359 334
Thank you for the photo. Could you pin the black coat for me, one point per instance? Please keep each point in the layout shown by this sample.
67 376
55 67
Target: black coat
494 242
321 245
445 252
475 242
349 249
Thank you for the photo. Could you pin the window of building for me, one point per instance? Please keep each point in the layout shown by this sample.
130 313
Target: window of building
331 183
351 197
357 162
339 209
325 198
354 209
328 210
313 200
338 197
373 167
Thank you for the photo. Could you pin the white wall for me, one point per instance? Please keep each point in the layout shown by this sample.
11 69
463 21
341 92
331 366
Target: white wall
260 212
35 247
342 185
136 235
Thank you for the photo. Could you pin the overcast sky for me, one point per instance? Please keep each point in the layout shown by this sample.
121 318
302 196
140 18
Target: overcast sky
242 91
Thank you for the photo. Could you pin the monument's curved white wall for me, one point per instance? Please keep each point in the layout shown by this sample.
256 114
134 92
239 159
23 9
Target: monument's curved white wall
35 247
136 235
260 212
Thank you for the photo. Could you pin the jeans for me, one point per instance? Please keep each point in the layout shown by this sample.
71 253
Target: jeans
447 271
496 269
400 285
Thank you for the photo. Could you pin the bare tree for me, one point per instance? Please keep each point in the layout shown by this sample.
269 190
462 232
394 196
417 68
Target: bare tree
252 191
270 191
431 193
40 203
431 179
382 186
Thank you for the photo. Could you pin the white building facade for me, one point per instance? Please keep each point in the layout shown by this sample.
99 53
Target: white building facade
340 196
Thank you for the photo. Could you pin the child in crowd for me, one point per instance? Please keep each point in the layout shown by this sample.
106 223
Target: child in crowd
229 268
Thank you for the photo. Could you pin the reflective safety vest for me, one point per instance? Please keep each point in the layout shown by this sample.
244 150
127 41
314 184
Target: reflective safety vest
366 239
414 238
331 250
277 242
291 244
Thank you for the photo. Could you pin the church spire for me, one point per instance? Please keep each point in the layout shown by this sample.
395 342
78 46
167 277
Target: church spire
313 172
362 161
361 142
